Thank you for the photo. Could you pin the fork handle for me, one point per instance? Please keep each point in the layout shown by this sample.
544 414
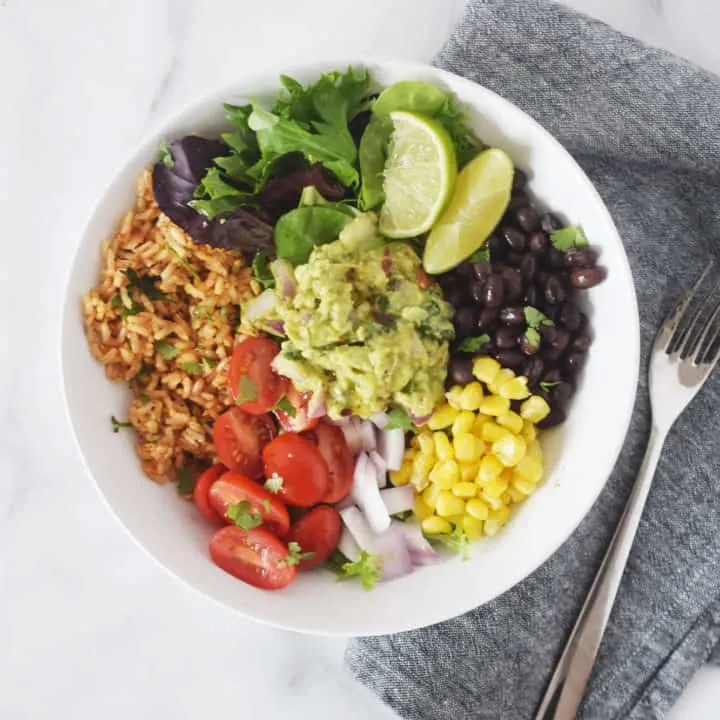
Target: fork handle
567 685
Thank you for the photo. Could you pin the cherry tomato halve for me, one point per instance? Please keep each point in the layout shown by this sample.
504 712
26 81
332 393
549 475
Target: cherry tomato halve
253 556
318 531
233 488
254 385
333 447
300 420
200 493
239 439
301 466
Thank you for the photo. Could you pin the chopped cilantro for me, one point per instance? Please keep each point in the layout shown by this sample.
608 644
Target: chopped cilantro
193 368
183 261
274 483
286 406
382 303
473 344
134 309
243 515
548 386
367 568
567 237
295 555
533 337
146 285
185 481
261 271
164 155
399 419
247 390
117 424
209 363
144 398
534 320
481 255
142 377
166 350
116 301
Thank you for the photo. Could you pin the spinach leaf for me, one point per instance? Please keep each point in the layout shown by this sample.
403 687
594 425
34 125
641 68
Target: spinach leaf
261 271
371 156
298 231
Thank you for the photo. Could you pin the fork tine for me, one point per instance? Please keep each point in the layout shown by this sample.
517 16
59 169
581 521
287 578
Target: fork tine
710 334
676 322
703 315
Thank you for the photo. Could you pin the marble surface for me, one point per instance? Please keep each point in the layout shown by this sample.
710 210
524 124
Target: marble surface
89 626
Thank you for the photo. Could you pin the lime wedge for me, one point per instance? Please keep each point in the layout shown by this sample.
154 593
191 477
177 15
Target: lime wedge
419 175
482 194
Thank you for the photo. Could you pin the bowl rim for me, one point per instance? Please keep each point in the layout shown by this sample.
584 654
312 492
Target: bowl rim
269 73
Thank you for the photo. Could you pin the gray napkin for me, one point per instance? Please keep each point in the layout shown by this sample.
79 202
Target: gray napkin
645 126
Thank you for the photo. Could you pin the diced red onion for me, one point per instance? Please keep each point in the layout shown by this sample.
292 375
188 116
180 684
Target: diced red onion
357 527
420 419
398 499
380 468
367 495
284 275
421 551
346 502
380 420
351 431
348 547
317 405
391 446
390 545
275 326
367 433
260 306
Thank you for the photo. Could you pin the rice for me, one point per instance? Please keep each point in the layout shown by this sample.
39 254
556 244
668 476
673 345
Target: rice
172 350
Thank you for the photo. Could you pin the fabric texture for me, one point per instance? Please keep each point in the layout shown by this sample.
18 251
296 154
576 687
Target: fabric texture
645 126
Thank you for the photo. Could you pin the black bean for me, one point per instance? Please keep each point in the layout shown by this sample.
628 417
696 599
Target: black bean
465 320
528 267
562 394
512 281
514 238
517 199
552 375
555 291
477 290
519 180
497 246
585 278
550 355
486 319
573 362
548 333
555 259
493 291
569 316
512 315
531 296
556 417
512 359
526 346
583 321
482 270
505 338
464 269
533 369
455 294
581 342
515 258
538 243
550 222
561 340
460 369
580 257
527 218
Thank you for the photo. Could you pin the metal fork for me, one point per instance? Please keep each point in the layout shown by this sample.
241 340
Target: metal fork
685 351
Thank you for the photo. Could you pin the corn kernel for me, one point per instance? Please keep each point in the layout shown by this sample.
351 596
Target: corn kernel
425 443
448 504
510 420
443 417
530 468
435 525
523 485
463 423
445 474
401 476
510 450
430 495
515 389
469 471
421 510
479 421
516 495
534 449
419 482
472 526
453 396
422 464
490 468
496 520
494 405
464 489
505 497
534 409
414 442
467 448
495 503
491 432
505 375
529 431
471 396
485 369
443 448
495 488
410 454
477 508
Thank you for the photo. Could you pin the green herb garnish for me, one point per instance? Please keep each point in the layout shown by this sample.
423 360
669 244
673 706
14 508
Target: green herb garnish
548 386
567 237
285 406
367 568
481 255
164 155
144 398
185 481
274 483
382 303
209 363
534 320
193 368
398 419
166 350
457 541
183 261
243 515
247 390
261 271
146 285
295 555
474 344
142 377
117 424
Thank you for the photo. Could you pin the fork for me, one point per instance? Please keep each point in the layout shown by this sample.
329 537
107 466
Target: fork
685 351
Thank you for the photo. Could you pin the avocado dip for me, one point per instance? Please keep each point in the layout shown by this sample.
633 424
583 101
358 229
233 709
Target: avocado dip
367 326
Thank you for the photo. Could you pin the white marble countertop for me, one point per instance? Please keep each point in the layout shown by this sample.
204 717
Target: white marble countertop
89 626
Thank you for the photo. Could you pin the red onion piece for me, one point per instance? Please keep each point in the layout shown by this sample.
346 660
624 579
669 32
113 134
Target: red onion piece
398 499
391 446
367 495
421 551
390 545
260 306
380 468
284 275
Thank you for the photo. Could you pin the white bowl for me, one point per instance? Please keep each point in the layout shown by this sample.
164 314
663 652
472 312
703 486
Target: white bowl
581 453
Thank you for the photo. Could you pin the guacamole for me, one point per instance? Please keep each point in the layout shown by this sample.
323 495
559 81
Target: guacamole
362 328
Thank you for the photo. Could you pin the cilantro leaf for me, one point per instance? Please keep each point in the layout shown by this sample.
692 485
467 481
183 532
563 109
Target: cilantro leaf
193 368
166 350
481 255
295 555
164 155
286 406
145 285
142 376
261 271
399 419
144 398
274 483
457 541
117 424
247 390
182 261
567 237
116 302
134 309
367 568
185 481
473 344
533 337
243 515
209 363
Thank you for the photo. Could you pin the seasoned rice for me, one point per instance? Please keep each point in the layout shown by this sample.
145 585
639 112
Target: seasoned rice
173 351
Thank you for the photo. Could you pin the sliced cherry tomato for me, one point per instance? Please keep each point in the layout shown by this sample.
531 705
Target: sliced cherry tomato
332 445
200 493
240 438
301 466
255 556
233 488
300 420
317 531
251 375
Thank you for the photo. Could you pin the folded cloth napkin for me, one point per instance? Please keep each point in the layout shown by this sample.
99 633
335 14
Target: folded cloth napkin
645 126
